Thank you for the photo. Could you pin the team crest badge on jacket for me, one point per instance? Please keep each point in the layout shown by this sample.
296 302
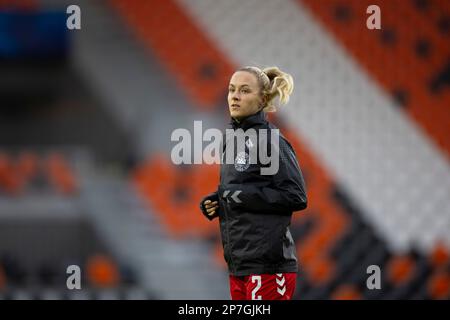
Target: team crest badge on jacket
242 161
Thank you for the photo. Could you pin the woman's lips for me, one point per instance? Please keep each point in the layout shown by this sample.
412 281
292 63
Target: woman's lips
235 106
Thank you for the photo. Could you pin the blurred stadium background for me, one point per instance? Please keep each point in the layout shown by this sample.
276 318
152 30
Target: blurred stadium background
86 118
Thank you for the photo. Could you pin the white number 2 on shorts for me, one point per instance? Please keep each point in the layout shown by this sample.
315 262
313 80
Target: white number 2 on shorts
256 279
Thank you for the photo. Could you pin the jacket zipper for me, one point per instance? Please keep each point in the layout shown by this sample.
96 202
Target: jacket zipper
232 267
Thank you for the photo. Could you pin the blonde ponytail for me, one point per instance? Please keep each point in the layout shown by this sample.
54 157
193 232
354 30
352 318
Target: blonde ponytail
273 83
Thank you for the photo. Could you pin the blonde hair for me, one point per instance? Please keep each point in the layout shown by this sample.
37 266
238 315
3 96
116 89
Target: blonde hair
273 83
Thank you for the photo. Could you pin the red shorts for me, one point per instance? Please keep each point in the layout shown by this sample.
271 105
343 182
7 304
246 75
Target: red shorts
280 286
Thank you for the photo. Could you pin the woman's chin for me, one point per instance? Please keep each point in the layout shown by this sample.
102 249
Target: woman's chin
235 114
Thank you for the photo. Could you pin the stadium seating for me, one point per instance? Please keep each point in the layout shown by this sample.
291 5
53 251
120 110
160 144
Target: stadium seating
19 172
368 120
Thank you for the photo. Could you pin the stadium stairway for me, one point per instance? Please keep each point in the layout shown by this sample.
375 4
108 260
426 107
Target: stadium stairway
168 268
135 89
44 228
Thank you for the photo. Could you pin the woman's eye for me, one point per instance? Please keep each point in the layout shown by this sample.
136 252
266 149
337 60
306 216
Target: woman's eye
245 91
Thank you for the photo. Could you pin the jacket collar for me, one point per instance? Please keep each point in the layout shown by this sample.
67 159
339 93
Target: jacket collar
250 121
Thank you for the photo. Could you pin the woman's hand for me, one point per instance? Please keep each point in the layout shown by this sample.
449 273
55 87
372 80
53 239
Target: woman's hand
211 207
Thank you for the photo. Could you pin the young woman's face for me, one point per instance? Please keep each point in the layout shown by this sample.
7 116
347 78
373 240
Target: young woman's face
244 97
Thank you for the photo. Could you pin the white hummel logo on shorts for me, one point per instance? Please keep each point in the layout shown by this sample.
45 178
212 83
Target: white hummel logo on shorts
281 287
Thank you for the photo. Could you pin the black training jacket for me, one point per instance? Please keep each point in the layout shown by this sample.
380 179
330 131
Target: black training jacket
255 210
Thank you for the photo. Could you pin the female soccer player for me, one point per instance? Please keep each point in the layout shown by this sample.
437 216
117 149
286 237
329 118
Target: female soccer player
255 209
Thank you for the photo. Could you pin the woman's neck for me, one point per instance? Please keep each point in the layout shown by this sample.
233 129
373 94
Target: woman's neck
239 120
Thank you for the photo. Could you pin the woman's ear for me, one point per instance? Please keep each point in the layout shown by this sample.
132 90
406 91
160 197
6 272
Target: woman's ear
263 101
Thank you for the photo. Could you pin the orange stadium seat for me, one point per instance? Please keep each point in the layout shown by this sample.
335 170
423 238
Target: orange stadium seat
10 181
102 271
321 271
346 292
27 165
439 257
60 174
400 269
439 285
